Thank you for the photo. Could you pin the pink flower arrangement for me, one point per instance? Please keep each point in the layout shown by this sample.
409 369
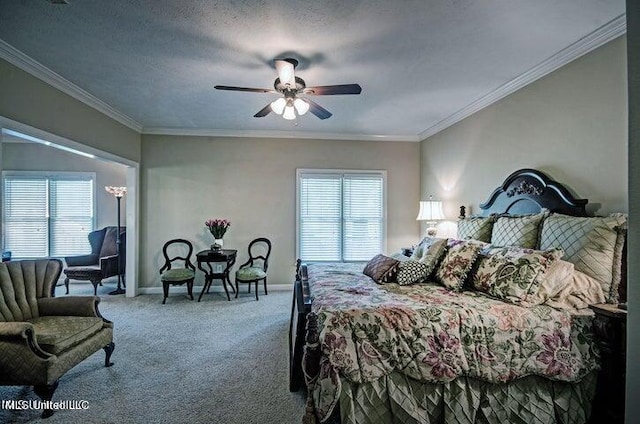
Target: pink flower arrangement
217 227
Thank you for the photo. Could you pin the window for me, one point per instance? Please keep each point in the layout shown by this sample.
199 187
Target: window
47 215
341 215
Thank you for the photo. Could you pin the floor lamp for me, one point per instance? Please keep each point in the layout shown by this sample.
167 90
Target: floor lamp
119 192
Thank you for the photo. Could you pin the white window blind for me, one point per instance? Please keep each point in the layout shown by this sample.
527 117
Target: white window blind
340 215
48 215
362 216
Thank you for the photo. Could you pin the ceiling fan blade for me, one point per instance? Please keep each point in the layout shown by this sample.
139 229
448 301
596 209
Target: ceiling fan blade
318 110
326 90
285 68
263 112
247 89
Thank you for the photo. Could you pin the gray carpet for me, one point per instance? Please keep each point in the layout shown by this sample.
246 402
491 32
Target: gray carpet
183 362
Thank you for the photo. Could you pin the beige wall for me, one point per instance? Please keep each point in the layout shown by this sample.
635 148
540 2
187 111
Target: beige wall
35 157
252 182
571 124
30 101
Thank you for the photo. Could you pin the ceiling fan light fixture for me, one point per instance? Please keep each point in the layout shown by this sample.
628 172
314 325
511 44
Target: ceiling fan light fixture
301 106
289 113
278 105
289 86
286 73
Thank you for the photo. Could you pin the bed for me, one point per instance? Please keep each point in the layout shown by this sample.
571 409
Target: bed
472 352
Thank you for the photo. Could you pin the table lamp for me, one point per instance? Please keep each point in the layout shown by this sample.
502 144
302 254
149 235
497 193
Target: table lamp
430 211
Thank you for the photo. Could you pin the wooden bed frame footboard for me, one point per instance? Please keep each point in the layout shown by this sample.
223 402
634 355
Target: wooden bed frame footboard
300 308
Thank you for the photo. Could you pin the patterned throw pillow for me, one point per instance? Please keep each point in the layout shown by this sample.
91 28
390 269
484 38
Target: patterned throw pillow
512 274
422 247
520 231
400 257
382 269
411 272
457 263
432 255
476 228
593 244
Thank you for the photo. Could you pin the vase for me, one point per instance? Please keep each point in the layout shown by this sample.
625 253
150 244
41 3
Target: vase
217 244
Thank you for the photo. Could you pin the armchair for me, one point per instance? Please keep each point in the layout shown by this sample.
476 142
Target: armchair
102 262
42 337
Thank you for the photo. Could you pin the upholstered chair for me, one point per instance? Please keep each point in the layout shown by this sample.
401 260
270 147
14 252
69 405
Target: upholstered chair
171 274
43 337
255 269
102 262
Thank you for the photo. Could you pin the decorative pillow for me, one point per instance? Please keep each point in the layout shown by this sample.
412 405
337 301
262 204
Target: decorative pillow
109 246
476 228
521 231
557 277
457 263
400 257
593 244
422 247
512 274
434 253
411 272
576 296
382 269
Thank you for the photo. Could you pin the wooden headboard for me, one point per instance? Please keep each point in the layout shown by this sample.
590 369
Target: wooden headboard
527 191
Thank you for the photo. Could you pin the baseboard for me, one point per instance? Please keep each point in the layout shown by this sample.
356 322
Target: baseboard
215 289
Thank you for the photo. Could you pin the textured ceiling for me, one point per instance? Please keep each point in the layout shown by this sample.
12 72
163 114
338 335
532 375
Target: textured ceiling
418 62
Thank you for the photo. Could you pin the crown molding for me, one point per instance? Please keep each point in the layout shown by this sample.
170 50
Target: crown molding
599 37
276 134
38 70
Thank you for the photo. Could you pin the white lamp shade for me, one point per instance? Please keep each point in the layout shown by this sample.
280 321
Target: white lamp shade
301 106
278 105
289 113
116 191
430 210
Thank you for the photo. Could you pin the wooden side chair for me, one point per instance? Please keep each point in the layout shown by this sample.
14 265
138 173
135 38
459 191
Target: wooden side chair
255 269
170 275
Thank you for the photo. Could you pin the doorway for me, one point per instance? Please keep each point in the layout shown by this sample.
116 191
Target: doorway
24 148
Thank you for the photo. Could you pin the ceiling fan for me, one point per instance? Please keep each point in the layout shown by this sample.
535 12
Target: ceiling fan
292 88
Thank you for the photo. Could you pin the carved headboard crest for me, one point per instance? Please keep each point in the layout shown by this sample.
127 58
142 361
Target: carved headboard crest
528 191
524 188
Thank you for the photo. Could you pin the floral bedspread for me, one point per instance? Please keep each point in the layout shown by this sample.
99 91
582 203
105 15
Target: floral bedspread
432 334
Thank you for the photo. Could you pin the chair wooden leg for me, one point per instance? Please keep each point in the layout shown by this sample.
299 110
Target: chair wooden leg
256 289
165 289
265 286
66 284
108 350
190 288
45 392
95 286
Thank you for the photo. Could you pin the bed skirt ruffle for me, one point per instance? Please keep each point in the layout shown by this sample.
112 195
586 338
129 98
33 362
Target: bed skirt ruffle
397 398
